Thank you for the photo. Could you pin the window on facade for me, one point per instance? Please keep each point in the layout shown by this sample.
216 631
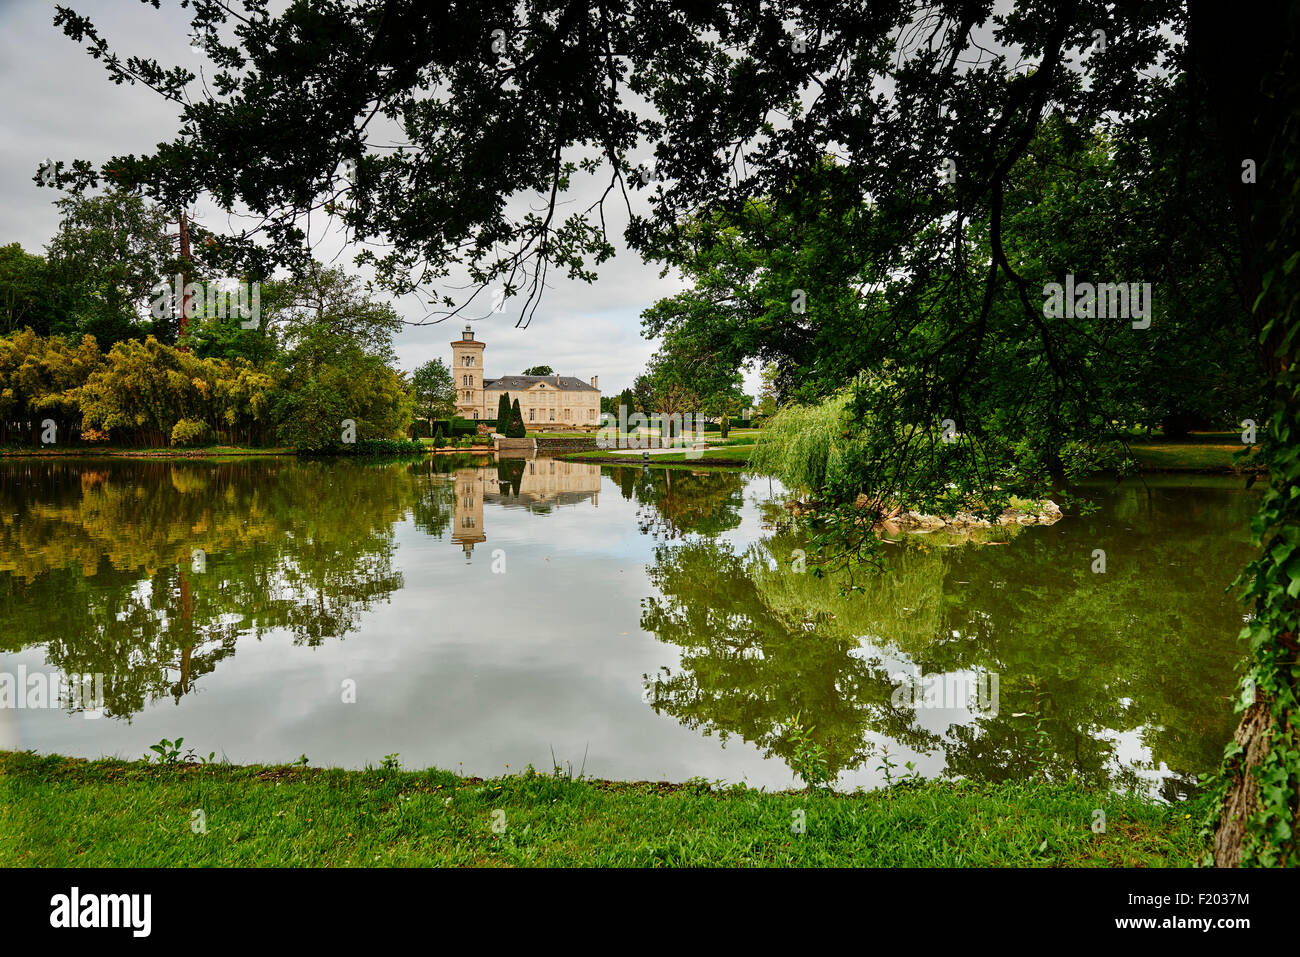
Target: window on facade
530 415
476 413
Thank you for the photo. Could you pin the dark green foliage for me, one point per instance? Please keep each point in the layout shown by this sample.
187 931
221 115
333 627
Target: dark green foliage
516 430
503 412
379 447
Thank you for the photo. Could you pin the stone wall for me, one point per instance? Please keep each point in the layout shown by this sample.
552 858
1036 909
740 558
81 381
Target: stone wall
576 443
502 444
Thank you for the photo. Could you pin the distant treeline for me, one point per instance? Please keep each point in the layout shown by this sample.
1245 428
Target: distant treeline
58 392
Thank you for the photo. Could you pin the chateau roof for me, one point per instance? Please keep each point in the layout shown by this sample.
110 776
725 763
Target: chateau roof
567 383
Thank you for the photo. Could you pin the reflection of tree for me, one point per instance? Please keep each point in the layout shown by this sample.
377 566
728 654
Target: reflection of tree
510 476
97 561
1148 647
676 502
434 507
748 664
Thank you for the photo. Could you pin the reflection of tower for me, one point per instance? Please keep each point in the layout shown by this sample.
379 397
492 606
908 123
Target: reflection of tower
467 372
468 517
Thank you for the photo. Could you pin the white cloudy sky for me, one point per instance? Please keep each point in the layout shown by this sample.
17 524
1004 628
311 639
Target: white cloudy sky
56 102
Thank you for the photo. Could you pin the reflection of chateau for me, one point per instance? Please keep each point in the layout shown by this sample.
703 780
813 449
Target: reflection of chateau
524 483
467 529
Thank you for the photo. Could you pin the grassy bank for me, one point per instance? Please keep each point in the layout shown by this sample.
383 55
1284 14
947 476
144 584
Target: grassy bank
59 811
103 451
1200 452
734 457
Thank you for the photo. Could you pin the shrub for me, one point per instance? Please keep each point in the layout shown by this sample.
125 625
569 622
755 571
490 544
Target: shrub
441 427
420 429
516 429
439 442
188 432
385 447
463 427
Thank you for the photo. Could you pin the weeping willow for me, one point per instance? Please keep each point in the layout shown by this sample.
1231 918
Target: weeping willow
803 445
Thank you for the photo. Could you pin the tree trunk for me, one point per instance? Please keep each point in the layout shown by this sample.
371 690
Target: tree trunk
183 322
1241 799
1238 64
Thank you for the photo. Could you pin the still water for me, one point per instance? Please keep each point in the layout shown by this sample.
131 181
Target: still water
640 624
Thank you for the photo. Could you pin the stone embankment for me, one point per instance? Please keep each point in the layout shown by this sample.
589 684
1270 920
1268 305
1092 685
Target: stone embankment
1044 513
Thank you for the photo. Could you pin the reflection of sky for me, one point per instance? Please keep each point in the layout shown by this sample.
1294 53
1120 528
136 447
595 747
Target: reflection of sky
463 668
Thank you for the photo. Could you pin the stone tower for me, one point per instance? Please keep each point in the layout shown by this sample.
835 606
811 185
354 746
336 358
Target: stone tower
467 373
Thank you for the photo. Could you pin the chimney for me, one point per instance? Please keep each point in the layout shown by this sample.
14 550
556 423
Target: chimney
593 382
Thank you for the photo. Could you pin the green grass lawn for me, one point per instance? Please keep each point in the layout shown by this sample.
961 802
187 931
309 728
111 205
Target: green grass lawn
737 456
1202 451
62 812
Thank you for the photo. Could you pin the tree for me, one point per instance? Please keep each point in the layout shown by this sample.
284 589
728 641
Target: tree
435 392
338 346
31 297
40 379
751 101
516 429
114 250
503 413
643 389
539 370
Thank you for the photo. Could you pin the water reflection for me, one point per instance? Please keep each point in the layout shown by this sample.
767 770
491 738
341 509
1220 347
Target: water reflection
537 484
1093 667
154 573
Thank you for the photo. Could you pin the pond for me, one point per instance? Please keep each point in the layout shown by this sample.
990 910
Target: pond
480 616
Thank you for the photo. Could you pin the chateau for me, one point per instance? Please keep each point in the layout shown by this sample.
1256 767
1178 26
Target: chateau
546 401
